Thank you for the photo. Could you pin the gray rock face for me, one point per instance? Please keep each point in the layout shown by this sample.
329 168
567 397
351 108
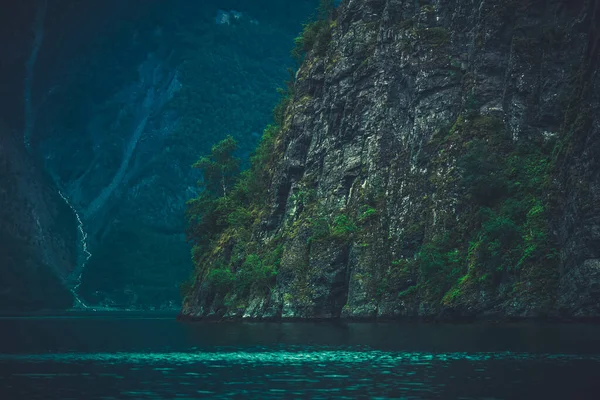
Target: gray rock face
379 132
579 222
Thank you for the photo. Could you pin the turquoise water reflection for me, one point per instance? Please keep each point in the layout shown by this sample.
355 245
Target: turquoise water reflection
374 358
145 358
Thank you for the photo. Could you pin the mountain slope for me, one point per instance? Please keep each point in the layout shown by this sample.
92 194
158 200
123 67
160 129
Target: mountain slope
38 238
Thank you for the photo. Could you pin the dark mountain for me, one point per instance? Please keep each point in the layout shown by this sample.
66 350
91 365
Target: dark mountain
111 102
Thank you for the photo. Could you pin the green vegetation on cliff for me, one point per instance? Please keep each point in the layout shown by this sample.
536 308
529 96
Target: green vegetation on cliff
316 33
224 215
230 261
503 233
398 182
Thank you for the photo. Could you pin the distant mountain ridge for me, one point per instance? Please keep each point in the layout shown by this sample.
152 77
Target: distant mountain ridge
117 102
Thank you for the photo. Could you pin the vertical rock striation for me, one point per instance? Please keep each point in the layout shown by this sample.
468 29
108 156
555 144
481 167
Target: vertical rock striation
437 158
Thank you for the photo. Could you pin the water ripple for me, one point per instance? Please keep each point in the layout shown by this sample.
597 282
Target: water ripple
380 358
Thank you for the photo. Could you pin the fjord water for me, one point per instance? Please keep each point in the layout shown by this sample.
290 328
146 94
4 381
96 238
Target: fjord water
155 357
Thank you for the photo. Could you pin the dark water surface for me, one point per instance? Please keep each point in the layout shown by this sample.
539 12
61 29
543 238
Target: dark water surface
150 357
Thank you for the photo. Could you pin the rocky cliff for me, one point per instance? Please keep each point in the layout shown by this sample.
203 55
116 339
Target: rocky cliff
432 158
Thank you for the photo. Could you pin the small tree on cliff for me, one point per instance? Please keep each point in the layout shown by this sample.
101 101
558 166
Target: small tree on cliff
220 169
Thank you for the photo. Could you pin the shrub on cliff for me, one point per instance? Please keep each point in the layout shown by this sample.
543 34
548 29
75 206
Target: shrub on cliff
228 260
316 33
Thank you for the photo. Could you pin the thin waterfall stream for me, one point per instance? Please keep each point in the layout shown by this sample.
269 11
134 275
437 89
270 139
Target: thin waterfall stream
83 257
84 254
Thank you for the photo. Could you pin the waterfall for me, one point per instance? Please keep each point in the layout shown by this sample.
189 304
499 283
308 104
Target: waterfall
82 258
38 30
29 70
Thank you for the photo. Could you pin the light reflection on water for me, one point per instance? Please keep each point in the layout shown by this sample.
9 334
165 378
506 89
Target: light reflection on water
379 358
161 359
303 373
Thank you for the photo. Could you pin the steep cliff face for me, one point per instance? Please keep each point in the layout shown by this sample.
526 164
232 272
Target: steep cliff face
434 158
38 238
